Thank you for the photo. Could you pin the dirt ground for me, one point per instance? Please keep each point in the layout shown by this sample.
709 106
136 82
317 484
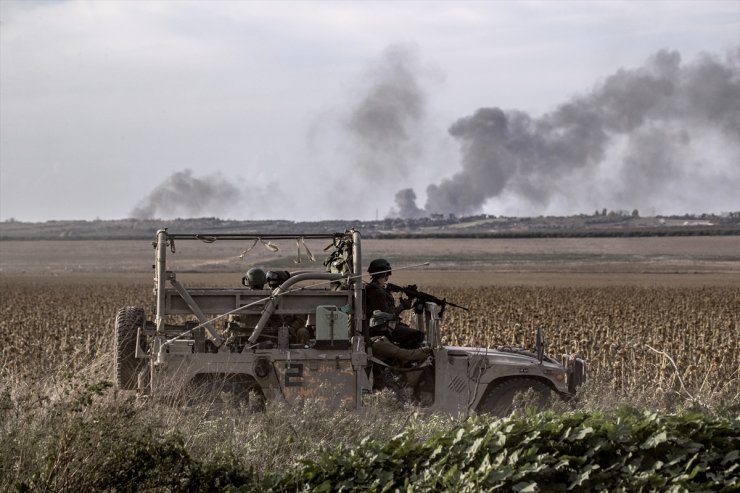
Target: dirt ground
660 261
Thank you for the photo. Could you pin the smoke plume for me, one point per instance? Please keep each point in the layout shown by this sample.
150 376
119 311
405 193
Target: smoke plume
644 137
184 195
406 204
383 122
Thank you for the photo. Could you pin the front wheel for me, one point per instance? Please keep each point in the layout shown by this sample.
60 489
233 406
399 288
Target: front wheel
517 393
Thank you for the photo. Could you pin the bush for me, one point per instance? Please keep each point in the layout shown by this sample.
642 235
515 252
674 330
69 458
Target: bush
623 451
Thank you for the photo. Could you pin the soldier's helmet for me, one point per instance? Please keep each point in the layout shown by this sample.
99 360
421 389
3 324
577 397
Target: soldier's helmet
276 277
255 278
379 265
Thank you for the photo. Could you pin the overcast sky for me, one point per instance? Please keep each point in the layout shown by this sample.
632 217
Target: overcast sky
320 110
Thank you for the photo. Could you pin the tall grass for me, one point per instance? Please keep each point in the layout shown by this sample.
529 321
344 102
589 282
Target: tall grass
72 434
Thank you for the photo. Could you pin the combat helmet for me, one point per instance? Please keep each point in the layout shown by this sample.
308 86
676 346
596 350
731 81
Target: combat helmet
276 277
379 265
255 278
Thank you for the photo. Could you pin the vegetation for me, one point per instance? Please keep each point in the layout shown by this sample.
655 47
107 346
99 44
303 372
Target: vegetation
89 441
670 351
620 451
611 224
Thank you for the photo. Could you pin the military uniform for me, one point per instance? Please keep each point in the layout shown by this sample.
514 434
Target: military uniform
378 298
392 354
393 342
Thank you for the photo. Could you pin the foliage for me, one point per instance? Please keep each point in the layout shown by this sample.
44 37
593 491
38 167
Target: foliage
622 451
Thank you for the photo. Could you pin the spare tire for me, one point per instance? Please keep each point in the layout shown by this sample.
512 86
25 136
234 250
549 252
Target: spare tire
127 367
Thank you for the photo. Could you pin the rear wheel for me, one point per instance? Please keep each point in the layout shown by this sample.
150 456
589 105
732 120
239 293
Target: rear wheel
127 367
517 393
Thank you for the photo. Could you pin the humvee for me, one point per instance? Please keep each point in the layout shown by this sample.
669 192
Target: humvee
234 344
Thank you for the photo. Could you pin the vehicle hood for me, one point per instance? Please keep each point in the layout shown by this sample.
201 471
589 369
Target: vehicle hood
519 354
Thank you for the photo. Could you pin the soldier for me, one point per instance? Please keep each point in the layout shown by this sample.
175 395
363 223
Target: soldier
384 312
393 342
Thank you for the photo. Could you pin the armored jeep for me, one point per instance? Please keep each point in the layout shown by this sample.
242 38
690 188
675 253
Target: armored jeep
240 343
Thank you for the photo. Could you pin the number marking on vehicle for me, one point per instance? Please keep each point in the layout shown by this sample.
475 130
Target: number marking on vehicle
294 375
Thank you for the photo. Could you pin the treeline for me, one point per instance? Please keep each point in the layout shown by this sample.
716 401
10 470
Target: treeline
482 226
576 233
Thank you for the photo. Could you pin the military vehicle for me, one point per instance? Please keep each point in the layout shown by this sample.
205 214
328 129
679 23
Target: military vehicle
233 344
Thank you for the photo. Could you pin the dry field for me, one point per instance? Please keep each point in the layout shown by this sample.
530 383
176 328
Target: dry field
635 307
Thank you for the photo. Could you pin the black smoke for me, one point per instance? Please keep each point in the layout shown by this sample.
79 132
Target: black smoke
643 136
379 137
184 195
406 204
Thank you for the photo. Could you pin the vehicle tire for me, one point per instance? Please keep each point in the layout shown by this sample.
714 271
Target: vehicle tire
225 391
516 393
127 367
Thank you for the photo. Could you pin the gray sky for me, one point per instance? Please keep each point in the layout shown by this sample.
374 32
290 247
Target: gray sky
319 110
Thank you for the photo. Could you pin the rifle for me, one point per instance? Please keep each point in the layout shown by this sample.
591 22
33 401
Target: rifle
421 297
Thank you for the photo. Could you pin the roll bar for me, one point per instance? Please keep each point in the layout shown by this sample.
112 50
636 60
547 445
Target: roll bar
272 304
165 239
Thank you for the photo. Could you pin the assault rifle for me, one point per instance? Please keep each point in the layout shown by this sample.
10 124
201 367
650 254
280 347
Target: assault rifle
419 298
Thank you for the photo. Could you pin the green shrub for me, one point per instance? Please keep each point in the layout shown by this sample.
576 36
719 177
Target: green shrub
578 451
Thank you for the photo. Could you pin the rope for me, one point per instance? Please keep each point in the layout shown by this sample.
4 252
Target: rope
205 239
